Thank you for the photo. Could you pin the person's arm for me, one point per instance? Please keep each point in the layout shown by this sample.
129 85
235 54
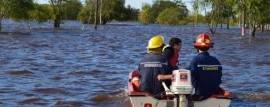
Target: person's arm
193 68
164 77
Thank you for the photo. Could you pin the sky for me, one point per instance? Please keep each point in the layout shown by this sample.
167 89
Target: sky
135 3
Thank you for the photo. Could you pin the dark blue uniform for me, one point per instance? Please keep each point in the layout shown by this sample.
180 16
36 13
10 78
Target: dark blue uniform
150 67
206 73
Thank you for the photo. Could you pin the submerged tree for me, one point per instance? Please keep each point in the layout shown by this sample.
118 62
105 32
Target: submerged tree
42 13
155 13
171 16
4 10
144 16
56 4
15 9
71 9
86 13
257 14
111 10
157 7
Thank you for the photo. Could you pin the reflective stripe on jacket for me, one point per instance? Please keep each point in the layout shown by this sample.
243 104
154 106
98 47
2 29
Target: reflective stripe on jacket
150 67
206 73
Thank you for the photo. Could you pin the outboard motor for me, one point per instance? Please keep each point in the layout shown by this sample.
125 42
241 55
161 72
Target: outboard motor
181 86
181 82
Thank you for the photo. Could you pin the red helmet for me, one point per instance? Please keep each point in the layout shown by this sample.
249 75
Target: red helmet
203 41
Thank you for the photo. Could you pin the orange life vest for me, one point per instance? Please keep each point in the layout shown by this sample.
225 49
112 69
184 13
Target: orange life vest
174 58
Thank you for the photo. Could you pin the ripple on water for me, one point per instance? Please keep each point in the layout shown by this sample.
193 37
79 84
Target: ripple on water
8 90
266 74
30 100
119 99
51 91
100 98
57 78
253 97
63 103
20 72
93 72
260 63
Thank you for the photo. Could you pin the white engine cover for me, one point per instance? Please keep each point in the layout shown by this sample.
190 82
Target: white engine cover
181 82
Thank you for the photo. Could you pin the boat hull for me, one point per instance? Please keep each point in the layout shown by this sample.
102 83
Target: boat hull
145 99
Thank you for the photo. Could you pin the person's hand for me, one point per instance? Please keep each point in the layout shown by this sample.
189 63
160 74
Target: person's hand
160 77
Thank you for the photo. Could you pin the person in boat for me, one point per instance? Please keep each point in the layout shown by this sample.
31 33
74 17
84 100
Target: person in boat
170 52
206 70
153 64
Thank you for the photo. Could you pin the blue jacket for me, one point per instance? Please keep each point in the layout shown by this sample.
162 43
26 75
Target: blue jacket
206 73
150 67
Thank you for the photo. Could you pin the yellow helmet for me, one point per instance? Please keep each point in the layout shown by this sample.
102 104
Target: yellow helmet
155 42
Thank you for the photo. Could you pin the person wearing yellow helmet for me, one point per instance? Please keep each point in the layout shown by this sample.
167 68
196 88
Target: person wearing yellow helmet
153 64
155 45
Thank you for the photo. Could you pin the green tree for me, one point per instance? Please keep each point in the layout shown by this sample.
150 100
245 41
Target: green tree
4 10
16 9
71 9
42 13
20 9
86 13
144 16
56 4
131 13
195 18
157 7
111 10
171 16
214 16
257 11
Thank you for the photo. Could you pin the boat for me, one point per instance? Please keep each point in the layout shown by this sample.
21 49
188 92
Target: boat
146 99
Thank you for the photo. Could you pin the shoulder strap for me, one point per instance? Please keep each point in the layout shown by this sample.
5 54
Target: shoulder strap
167 46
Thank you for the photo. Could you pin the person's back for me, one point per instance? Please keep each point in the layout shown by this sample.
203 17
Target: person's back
206 73
153 64
150 67
206 70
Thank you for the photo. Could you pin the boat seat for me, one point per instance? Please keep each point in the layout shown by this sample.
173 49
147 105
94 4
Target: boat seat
134 83
221 95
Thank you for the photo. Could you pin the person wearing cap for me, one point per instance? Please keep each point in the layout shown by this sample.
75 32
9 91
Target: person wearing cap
153 64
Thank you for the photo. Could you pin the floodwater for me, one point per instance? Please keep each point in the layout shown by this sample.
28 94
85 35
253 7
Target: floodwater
78 66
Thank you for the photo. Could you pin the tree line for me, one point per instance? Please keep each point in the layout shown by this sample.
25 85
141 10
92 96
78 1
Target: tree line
58 10
252 14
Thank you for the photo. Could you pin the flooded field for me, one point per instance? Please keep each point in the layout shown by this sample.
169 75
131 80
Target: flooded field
76 65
